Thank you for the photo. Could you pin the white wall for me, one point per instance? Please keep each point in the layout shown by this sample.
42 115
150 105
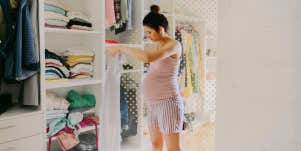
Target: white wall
259 72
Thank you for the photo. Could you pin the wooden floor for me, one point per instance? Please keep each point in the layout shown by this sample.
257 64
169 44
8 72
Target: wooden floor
200 139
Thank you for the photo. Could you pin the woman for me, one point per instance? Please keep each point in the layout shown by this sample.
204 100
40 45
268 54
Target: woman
160 86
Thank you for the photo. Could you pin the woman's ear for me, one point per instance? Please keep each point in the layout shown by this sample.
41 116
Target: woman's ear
161 30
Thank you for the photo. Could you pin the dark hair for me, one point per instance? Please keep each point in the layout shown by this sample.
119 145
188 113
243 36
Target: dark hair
154 19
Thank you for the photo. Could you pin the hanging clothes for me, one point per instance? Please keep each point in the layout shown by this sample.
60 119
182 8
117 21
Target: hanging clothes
128 105
22 62
190 74
111 109
117 10
31 85
188 89
123 16
110 13
201 67
19 49
121 25
129 24
190 78
182 69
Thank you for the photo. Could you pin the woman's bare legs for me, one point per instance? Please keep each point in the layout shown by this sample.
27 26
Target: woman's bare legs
172 142
156 139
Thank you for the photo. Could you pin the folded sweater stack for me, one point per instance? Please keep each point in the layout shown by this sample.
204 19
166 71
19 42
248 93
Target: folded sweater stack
57 107
80 63
55 14
54 67
79 21
59 15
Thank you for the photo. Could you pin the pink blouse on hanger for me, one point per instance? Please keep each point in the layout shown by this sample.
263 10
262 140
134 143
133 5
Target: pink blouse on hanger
110 14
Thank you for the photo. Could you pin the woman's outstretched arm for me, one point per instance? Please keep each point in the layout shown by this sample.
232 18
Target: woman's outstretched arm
142 55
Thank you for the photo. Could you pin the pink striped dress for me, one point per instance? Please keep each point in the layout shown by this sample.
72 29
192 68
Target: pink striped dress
161 80
161 92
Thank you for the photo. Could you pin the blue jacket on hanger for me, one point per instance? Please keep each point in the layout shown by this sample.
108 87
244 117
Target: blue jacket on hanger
21 59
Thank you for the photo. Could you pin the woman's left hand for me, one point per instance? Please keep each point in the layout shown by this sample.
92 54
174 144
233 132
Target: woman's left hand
113 51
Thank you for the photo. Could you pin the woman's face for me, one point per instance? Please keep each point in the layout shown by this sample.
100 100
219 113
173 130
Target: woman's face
152 34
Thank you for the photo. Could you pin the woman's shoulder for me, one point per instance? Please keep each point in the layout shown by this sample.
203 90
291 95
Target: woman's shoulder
173 43
175 46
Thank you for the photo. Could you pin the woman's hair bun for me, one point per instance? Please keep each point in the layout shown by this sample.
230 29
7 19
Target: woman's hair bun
155 9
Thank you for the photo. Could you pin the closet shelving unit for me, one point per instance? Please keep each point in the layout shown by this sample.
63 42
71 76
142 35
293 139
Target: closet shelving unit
70 31
59 40
72 83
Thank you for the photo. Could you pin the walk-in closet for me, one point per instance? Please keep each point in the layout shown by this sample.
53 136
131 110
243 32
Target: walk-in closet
69 95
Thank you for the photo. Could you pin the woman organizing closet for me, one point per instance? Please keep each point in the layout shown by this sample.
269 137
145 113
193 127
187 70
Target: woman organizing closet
160 87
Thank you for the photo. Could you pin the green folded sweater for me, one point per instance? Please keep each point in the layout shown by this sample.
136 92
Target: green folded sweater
78 101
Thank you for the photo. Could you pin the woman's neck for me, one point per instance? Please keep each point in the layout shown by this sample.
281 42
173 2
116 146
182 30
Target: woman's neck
162 41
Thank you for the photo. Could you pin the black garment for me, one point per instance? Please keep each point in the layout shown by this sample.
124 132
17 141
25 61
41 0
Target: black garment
127 66
5 99
5 102
52 55
59 70
79 22
121 29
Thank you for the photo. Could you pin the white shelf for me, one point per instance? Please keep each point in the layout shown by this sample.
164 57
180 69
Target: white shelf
71 83
19 112
70 31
